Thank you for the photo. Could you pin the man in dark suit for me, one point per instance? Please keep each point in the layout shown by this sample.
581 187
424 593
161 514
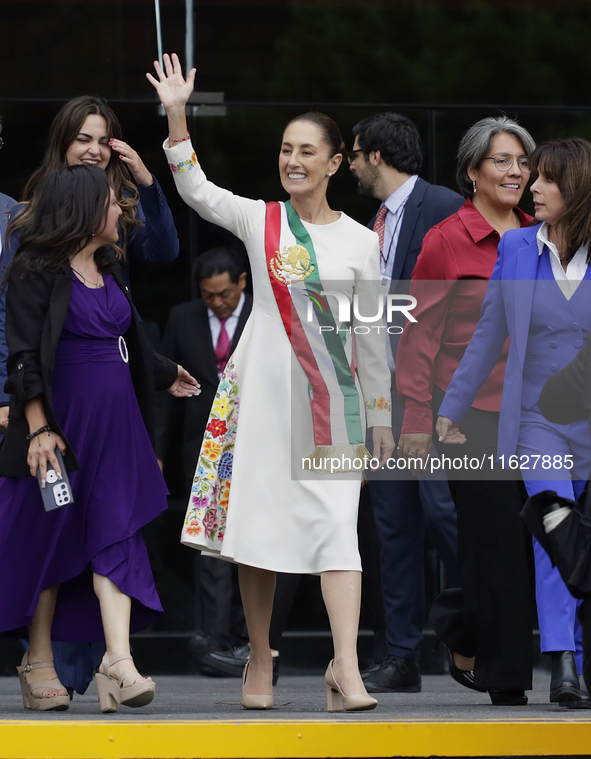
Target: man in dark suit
6 203
205 332
385 160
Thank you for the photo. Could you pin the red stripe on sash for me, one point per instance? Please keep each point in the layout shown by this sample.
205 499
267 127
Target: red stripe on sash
320 404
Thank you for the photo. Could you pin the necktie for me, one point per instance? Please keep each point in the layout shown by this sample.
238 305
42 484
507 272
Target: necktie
379 225
222 349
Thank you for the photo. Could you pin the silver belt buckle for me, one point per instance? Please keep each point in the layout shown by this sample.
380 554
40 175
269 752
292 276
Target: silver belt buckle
123 349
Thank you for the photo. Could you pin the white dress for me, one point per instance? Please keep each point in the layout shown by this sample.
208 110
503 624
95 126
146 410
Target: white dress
276 516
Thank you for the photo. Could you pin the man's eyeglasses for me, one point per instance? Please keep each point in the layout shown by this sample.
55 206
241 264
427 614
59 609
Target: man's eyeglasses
504 161
352 155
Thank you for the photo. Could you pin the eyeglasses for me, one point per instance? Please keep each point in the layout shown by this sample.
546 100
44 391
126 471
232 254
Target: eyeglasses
352 155
504 161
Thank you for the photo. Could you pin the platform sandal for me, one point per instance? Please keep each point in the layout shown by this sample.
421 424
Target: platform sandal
33 690
129 689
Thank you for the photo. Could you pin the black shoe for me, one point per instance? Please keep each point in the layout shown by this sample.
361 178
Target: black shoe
564 683
584 703
507 697
395 676
232 663
369 671
464 677
198 647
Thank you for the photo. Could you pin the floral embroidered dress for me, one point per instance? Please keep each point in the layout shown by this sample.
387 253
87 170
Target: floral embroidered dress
251 501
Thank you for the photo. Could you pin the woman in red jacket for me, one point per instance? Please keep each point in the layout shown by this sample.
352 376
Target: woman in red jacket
488 628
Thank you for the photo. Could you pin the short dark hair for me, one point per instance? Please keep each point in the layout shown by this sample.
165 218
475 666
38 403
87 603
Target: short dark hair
568 163
329 128
218 261
395 136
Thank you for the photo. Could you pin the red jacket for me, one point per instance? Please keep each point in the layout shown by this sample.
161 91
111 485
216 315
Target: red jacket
449 282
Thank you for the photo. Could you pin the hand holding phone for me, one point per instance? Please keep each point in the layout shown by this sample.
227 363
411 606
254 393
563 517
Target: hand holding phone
57 491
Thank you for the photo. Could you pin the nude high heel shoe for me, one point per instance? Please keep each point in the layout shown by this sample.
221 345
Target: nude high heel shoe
130 689
33 691
337 701
249 700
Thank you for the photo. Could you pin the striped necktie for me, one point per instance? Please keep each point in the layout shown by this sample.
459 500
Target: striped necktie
379 225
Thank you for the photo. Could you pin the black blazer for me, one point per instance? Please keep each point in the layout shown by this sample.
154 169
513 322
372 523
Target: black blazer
187 341
36 309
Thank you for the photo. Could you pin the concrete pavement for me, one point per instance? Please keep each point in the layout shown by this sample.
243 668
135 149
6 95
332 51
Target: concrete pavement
193 697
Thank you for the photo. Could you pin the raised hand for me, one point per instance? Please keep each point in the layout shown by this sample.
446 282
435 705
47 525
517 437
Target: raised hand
172 88
131 158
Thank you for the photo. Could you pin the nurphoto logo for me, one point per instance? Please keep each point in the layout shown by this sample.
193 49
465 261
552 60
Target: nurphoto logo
392 304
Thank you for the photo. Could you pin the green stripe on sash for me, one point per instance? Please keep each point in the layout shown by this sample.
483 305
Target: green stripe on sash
333 340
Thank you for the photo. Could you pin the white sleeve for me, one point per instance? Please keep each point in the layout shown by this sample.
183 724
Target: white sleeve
232 212
372 363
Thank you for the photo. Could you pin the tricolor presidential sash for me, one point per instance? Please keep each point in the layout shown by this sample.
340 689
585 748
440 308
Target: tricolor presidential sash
295 278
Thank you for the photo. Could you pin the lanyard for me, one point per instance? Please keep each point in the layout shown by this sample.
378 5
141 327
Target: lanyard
394 236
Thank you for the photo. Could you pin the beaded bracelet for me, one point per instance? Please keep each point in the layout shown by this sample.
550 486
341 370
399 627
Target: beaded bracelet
31 435
183 139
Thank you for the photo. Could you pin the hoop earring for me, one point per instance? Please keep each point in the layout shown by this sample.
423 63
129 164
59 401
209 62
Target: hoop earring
474 187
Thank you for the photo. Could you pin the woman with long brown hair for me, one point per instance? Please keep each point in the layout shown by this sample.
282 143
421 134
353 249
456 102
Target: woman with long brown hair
86 131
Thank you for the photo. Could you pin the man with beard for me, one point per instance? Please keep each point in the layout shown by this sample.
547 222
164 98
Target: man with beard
385 160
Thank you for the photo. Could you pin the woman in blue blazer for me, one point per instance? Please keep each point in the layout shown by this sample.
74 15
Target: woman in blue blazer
538 296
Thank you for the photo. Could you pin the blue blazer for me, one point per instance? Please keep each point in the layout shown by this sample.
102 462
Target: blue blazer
6 203
506 312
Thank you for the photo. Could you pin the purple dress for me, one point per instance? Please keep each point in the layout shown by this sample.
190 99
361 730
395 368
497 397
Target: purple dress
117 490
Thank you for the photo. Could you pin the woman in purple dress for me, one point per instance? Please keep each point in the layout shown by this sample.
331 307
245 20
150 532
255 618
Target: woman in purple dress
81 376
86 131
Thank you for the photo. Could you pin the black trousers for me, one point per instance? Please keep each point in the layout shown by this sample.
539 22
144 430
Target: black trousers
492 618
